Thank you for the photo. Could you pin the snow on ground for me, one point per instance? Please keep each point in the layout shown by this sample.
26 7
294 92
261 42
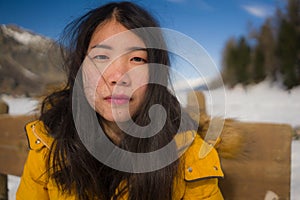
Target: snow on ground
21 105
259 103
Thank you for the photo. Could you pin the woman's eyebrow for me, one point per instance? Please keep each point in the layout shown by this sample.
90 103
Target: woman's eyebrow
136 48
102 46
129 49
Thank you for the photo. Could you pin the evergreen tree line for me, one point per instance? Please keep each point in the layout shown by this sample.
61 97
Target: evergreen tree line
272 51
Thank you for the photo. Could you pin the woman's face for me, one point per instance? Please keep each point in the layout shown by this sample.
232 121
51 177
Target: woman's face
115 72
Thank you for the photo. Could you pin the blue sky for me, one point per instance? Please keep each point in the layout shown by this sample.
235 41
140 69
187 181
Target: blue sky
210 23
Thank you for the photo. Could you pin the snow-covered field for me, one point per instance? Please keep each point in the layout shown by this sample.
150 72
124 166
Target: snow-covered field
260 103
263 102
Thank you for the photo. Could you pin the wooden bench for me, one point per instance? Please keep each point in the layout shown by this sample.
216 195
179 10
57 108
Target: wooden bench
264 165
13 146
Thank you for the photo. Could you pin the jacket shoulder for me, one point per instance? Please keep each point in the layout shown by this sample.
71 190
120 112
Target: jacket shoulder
201 161
37 135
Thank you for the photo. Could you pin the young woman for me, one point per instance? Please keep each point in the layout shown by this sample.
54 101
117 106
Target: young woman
117 72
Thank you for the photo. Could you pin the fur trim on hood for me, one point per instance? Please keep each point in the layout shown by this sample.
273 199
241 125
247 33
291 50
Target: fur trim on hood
224 134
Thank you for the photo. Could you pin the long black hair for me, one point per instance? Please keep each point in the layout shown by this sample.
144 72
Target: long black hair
70 164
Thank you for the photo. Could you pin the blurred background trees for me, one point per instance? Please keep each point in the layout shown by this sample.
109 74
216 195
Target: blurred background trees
272 51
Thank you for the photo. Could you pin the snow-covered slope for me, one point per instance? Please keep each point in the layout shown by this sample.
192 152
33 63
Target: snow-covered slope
29 62
23 36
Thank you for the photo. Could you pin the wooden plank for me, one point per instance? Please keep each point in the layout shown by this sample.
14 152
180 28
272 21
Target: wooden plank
3 177
265 164
13 143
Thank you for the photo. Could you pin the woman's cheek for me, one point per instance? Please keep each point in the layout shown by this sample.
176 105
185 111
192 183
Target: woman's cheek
90 83
140 75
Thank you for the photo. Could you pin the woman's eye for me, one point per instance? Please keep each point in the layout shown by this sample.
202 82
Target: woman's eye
101 57
138 60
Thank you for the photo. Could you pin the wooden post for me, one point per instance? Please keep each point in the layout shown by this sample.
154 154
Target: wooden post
3 187
197 99
3 177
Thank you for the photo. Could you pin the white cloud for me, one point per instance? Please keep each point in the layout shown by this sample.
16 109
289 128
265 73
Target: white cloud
261 11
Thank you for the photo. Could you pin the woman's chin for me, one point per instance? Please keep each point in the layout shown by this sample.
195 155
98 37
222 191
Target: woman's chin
117 118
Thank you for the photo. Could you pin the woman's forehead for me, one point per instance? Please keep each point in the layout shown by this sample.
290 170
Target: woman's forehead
114 35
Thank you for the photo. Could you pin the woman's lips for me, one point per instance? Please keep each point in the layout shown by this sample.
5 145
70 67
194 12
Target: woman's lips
118 99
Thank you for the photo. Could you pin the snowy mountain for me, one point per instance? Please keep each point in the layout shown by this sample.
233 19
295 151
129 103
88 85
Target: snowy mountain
28 62
25 37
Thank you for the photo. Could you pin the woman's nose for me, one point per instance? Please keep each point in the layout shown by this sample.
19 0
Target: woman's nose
119 79
118 74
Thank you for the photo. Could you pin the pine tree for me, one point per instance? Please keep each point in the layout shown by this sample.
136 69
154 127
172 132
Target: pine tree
243 61
288 45
228 62
258 67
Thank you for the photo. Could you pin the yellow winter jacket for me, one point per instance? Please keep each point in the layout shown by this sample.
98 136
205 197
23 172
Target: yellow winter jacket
199 180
